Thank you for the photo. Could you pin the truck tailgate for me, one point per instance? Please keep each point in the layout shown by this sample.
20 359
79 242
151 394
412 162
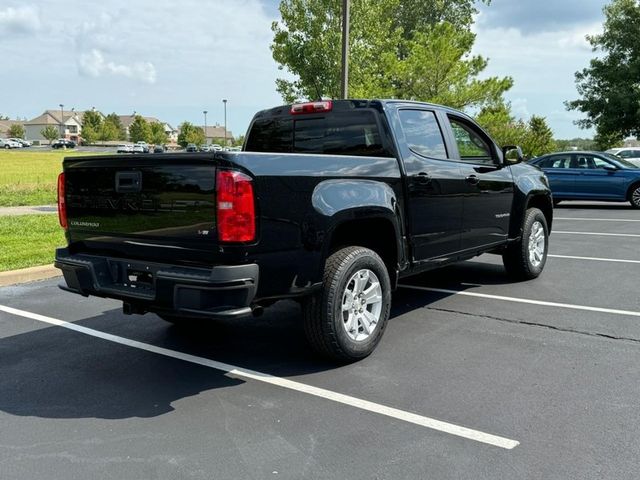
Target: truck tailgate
163 203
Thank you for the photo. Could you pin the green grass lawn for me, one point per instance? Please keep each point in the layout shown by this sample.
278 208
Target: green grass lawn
29 240
29 177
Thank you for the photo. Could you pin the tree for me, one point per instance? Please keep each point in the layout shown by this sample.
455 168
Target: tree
609 86
50 133
535 137
91 125
108 132
114 120
139 130
239 141
158 134
395 51
16 131
189 133
575 144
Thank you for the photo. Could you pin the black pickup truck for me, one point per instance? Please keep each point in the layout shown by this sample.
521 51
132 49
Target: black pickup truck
330 202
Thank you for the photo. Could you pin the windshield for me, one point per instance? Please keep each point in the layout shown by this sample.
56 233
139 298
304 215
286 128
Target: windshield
619 161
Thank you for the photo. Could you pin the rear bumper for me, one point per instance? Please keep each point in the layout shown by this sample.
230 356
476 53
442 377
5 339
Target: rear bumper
218 292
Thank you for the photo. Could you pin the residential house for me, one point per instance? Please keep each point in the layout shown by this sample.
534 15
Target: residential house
216 134
127 120
68 123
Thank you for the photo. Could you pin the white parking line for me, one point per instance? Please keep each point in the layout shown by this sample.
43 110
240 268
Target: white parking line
597 233
525 300
595 259
232 370
598 219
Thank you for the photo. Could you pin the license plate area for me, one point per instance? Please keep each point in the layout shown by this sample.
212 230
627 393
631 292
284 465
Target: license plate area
140 279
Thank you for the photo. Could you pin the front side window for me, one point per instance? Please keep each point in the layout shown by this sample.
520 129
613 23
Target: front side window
472 145
423 133
589 162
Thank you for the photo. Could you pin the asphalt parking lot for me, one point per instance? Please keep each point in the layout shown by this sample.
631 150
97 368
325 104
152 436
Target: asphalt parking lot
543 376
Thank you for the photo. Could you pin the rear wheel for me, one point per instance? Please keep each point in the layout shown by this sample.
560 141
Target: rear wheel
525 259
346 320
634 196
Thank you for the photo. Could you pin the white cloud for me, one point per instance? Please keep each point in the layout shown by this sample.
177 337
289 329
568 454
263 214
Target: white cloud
93 64
20 20
543 66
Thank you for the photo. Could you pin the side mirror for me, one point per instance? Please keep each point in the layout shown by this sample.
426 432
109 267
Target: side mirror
610 168
512 154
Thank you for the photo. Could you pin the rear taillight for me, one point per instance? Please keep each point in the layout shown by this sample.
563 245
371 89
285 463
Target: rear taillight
312 107
62 202
236 207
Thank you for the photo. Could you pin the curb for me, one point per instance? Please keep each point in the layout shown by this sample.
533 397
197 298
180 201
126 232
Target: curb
25 275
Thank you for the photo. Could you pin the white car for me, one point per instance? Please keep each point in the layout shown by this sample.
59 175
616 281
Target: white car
6 143
630 154
21 141
215 147
125 148
144 145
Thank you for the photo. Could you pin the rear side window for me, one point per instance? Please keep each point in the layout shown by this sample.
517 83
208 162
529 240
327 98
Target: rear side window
341 133
557 161
423 133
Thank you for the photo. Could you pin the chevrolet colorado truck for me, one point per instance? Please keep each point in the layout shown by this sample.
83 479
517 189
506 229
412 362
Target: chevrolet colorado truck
329 202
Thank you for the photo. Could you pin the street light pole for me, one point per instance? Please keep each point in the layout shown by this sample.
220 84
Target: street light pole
61 120
345 49
205 127
225 121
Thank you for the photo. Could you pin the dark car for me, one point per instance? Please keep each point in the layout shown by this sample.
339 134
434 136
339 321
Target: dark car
63 143
330 203
192 147
159 149
591 176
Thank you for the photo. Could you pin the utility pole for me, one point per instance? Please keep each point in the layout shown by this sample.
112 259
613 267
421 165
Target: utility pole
61 120
205 127
225 121
345 49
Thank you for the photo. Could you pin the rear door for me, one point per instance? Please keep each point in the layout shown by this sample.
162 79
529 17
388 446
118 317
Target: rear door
561 174
435 186
488 186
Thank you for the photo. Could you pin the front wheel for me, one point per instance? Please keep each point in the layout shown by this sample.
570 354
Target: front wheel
525 259
634 196
346 320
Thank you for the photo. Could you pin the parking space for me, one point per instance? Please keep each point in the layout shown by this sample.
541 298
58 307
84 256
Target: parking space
542 376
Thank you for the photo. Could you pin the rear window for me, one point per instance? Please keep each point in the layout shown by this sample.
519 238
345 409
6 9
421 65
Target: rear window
343 133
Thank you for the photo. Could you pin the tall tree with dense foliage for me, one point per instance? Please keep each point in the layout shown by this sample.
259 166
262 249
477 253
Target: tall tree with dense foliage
535 136
189 133
608 88
115 124
50 133
158 134
139 130
16 131
399 48
91 125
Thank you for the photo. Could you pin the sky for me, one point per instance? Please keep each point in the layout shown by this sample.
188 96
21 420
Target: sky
173 60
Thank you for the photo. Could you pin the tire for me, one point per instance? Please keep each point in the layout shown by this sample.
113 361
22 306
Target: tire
7 147
634 195
347 335
520 260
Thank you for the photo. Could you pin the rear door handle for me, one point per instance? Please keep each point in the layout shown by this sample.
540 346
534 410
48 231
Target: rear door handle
422 178
472 179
